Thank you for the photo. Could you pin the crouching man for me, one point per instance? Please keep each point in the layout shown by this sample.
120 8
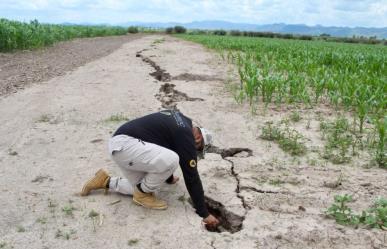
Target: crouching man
148 150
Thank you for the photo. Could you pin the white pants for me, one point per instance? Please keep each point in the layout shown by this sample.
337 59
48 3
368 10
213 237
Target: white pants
140 162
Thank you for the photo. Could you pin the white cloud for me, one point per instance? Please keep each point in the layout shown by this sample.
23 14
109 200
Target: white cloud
311 12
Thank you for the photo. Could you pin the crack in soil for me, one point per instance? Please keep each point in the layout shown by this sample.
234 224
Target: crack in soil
228 221
196 77
230 152
261 191
159 73
168 96
238 187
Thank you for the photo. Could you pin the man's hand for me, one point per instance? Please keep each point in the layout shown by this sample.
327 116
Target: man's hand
211 221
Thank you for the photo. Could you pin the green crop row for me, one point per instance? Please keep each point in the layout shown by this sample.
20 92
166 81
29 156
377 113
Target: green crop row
350 76
16 35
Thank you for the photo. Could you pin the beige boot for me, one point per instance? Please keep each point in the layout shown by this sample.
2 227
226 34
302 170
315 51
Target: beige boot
99 181
148 200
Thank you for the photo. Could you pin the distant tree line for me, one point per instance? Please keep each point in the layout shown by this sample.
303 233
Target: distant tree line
324 37
176 30
221 32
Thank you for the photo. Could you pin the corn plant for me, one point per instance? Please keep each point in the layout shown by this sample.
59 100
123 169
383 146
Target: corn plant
16 35
281 71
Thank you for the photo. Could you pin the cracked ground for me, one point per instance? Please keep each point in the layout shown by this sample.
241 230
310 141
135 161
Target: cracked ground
60 140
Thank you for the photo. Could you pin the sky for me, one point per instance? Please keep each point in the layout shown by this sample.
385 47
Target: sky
351 13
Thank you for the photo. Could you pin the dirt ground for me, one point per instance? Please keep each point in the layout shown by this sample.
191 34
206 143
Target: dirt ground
26 67
54 137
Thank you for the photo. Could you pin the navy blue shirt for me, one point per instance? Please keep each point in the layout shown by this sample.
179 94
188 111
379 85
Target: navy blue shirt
172 130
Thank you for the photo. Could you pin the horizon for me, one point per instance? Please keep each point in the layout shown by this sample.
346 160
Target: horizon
340 13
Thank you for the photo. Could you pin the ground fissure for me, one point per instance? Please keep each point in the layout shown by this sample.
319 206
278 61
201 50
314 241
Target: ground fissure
168 95
159 73
229 221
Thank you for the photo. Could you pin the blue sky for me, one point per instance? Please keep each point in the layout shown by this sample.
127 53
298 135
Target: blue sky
366 13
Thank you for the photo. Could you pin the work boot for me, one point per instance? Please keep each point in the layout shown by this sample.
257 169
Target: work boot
99 181
148 200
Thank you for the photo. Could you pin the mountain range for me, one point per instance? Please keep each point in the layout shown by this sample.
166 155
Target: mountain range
300 29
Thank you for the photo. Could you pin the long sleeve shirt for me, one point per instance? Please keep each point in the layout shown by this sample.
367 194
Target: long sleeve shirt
172 130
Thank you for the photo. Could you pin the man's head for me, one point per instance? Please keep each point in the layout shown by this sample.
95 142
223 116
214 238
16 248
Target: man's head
203 138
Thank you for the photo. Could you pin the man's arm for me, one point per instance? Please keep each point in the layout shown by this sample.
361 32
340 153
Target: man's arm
185 148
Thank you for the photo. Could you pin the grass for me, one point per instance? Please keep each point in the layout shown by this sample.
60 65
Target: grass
295 116
133 242
20 229
65 235
276 182
68 209
182 199
41 220
44 118
93 216
289 140
15 35
120 117
339 140
158 41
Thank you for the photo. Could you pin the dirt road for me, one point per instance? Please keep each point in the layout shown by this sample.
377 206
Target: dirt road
54 137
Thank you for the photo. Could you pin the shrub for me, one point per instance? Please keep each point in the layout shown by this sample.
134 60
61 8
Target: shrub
235 33
306 37
132 30
180 29
169 30
220 32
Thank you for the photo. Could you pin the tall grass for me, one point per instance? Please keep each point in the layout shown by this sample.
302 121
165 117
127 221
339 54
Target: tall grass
349 76
16 35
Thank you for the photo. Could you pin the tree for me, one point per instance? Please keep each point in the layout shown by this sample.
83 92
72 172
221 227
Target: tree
180 29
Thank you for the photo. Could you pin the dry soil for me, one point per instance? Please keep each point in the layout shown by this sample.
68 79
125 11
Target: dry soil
54 137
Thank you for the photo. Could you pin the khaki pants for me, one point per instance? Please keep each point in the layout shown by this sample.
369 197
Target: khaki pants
140 162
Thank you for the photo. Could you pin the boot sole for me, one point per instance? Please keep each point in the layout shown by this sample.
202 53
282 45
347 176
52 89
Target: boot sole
155 208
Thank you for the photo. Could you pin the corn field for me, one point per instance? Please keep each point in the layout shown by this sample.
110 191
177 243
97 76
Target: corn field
16 35
348 76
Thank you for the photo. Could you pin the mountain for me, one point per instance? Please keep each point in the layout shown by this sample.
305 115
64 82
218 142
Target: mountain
300 29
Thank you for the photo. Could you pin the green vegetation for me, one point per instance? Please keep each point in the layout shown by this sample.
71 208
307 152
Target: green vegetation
132 242
16 35
339 140
351 77
68 209
374 217
323 37
41 220
295 116
288 139
93 216
44 118
120 117
176 30
65 235
20 229
132 29
380 152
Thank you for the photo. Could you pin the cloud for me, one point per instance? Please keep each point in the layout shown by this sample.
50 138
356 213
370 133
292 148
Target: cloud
311 12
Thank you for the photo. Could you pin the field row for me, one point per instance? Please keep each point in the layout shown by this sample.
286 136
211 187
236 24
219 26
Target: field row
350 77
19 35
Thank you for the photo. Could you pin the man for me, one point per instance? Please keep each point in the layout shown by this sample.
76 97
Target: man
148 150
